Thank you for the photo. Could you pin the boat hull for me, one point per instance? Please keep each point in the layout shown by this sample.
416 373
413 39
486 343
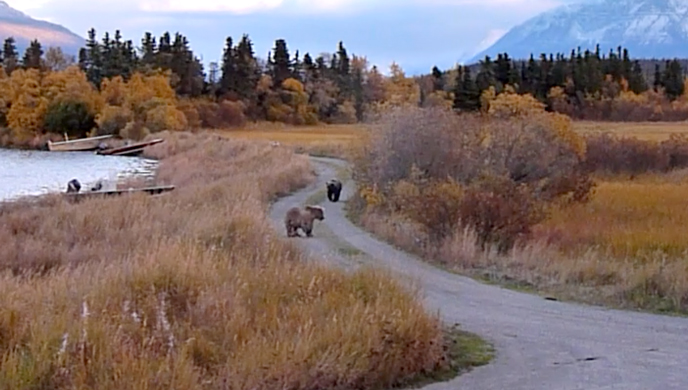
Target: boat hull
129 150
78 145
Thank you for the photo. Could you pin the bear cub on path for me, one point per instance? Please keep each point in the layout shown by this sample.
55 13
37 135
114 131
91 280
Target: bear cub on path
297 218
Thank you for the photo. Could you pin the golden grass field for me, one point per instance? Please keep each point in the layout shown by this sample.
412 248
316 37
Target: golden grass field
628 244
651 131
322 140
194 290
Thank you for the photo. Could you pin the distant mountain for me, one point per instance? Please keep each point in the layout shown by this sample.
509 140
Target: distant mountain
647 28
24 29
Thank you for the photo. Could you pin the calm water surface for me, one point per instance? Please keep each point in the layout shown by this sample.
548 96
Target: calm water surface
38 172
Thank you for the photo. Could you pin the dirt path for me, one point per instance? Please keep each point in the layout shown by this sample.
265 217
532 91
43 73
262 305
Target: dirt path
540 344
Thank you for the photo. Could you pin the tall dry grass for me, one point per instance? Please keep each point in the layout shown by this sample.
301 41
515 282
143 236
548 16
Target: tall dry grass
193 290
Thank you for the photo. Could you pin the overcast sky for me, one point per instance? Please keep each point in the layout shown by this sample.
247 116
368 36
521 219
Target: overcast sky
415 33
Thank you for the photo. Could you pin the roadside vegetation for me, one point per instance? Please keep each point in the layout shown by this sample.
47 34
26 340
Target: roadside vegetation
515 195
193 289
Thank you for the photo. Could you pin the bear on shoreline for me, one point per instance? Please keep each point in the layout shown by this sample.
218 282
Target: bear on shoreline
334 189
299 218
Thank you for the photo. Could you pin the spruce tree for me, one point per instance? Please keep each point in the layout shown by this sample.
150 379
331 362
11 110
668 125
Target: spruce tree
657 81
247 71
437 79
148 49
33 56
94 67
280 64
636 80
344 81
228 78
309 69
10 56
673 80
466 93
486 76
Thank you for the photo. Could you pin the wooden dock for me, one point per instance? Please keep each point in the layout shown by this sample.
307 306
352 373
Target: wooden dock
149 190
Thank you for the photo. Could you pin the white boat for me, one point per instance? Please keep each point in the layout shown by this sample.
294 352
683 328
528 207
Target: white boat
77 145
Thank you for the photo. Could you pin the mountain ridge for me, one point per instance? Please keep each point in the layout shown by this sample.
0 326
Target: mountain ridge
23 28
648 28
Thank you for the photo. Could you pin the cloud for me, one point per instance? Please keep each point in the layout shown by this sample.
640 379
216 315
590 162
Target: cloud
243 7
232 6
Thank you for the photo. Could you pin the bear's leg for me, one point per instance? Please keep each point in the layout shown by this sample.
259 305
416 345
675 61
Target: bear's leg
336 196
291 231
330 195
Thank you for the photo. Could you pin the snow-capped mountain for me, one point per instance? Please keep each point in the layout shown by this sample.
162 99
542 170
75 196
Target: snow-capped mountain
24 29
647 28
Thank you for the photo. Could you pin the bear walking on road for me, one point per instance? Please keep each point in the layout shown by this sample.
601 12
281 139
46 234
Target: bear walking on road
334 189
302 218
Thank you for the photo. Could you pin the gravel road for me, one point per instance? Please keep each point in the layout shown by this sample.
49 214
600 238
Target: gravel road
539 344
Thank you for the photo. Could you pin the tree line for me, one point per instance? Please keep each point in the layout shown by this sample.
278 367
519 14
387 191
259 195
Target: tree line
340 87
582 76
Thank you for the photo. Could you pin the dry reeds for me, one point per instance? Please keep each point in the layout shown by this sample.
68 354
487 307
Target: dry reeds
193 289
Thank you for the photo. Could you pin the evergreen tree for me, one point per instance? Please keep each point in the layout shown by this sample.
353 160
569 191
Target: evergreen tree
636 80
297 67
148 50
437 79
357 86
486 77
309 69
247 70
673 80
280 63
228 79
94 64
466 93
33 56
10 56
657 83
344 81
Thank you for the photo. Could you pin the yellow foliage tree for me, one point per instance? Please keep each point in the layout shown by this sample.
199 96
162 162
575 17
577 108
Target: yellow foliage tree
165 117
5 95
440 99
113 91
25 116
112 119
71 84
511 105
291 106
144 93
399 89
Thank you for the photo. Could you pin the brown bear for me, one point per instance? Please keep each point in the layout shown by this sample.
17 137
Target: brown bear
334 189
297 218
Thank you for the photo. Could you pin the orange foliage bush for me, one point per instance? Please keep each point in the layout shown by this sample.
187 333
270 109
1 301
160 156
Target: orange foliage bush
493 174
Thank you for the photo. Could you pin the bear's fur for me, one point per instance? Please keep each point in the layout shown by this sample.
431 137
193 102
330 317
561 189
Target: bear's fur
73 186
302 218
334 189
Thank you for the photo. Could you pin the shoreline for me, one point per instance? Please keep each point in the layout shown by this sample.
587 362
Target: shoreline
148 162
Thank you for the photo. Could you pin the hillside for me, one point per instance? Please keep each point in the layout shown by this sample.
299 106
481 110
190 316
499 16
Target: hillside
648 28
24 29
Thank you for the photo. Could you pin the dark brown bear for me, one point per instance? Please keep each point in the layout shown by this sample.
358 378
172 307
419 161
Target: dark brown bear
334 189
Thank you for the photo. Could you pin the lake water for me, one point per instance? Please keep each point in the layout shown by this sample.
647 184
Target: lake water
38 172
